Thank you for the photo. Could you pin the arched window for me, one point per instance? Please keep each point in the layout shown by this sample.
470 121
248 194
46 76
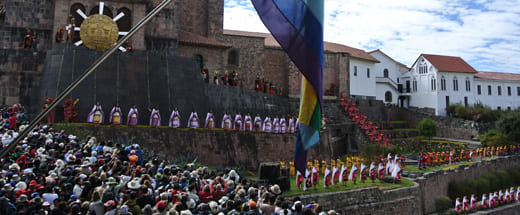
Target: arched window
385 73
388 96
106 11
414 85
455 84
199 60
443 83
433 83
124 23
77 19
233 57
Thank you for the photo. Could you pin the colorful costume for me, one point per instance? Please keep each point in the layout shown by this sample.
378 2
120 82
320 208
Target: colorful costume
51 115
227 122
327 177
155 117
116 116
258 123
96 115
283 126
175 119
193 121
291 125
238 125
276 125
267 127
210 121
133 116
248 123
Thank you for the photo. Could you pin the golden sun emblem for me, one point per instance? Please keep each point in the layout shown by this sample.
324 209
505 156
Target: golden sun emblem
99 31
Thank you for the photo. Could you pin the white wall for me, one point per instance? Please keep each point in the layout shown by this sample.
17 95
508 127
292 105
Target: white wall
394 71
454 96
361 85
494 100
423 96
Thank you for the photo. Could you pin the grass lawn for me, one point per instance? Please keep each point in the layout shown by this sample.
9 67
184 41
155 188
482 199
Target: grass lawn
320 189
413 168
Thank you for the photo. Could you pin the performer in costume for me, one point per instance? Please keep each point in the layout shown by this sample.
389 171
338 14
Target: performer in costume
193 121
68 110
175 119
372 172
227 122
292 169
465 204
315 176
283 125
299 180
335 175
292 121
133 116
363 173
257 123
484 203
343 175
267 127
276 125
458 205
248 123
472 202
353 173
327 177
238 125
155 117
210 120
96 114
51 115
116 116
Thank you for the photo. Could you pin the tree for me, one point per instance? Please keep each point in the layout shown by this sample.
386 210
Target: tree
428 128
509 124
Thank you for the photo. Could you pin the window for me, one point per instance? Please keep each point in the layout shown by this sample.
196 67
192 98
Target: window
433 83
508 107
509 90
368 72
233 57
124 23
479 90
443 83
385 73
455 84
355 70
499 90
499 108
423 68
414 85
468 85
518 91
77 19
489 90
200 61
388 96
2 13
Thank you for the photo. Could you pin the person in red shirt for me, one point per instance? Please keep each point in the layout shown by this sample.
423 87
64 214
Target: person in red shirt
218 188
132 159
12 120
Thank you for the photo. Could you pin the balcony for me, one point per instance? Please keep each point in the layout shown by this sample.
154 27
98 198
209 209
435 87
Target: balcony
386 81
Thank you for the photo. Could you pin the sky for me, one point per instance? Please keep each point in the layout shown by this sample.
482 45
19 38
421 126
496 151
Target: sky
485 33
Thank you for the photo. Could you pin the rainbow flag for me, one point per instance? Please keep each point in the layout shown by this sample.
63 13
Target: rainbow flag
297 25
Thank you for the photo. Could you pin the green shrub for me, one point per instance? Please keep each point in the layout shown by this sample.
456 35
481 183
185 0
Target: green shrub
482 186
498 140
484 138
515 175
455 189
504 177
372 151
443 203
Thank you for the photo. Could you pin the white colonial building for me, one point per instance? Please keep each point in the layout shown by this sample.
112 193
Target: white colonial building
362 78
498 90
388 75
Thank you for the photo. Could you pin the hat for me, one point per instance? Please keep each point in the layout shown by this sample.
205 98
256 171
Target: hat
7 187
37 199
111 181
22 185
27 171
110 203
22 198
251 204
60 163
71 158
46 204
123 210
186 212
82 176
33 182
223 200
275 189
53 175
132 152
160 205
73 197
134 184
296 203
35 194
213 206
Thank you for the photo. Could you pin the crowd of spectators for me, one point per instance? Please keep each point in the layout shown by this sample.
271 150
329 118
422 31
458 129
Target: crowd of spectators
52 172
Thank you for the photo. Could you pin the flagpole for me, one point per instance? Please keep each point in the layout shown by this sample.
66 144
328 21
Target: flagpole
81 78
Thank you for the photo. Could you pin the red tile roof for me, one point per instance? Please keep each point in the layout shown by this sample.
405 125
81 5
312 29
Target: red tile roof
191 38
498 76
327 46
449 63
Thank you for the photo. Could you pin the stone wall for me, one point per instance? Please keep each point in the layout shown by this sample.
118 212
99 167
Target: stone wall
250 60
435 184
371 201
212 147
511 209
446 126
